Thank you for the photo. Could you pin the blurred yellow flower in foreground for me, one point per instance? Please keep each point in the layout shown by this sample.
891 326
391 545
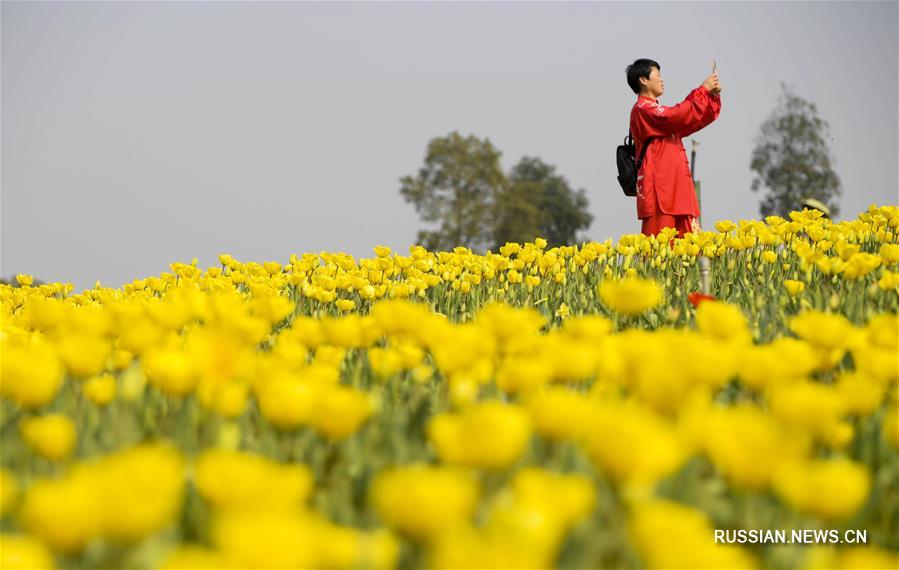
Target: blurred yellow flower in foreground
23 552
265 539
340 411
422 500
670 535
559 412
843 483
632 444
101 389
31 374
764 443
826 330
851 558
816 409
124 496
52 436
244 481
722 321
84 356
63 513
185 557
171 369
489 435
630 296
9 491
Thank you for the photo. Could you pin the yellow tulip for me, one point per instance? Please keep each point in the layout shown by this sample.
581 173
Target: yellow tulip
630 296
52 436
631 444
802 484
23 552
30 374
422 501
232 480
9 491
340 411
670 535
84 356
100 390
488 435
794 287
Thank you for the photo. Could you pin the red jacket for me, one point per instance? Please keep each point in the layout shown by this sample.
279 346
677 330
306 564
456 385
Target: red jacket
664 183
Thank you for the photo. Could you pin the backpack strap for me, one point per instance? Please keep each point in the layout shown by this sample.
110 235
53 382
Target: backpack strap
643 151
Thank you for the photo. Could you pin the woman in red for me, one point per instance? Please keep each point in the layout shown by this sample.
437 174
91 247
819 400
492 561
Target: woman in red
666 197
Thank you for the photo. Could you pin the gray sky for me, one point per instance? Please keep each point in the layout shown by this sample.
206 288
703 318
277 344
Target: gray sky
138 134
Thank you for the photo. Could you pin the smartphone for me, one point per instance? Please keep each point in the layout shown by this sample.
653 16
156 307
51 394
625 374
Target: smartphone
714 66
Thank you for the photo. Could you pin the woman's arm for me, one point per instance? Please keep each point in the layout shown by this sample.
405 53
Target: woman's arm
693 113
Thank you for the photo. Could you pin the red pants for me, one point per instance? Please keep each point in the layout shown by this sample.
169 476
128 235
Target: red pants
684 224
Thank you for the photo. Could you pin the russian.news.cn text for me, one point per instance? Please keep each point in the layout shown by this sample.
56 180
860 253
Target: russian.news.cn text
802 536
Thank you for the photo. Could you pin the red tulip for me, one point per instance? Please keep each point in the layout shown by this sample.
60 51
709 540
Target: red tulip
696 298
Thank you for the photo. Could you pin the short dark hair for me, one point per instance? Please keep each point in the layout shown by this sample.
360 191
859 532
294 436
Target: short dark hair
638 69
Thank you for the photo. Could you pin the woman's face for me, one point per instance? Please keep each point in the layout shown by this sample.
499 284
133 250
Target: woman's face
655 86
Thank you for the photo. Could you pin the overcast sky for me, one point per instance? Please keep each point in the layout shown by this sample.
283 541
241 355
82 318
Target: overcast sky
138 134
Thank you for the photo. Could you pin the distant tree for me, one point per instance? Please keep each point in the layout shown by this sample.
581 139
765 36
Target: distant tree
791 158
540 203
517 213
457 188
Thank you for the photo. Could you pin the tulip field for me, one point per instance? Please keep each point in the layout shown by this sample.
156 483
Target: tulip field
584 406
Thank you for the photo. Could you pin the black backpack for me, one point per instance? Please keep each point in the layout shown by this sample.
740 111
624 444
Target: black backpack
627 168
